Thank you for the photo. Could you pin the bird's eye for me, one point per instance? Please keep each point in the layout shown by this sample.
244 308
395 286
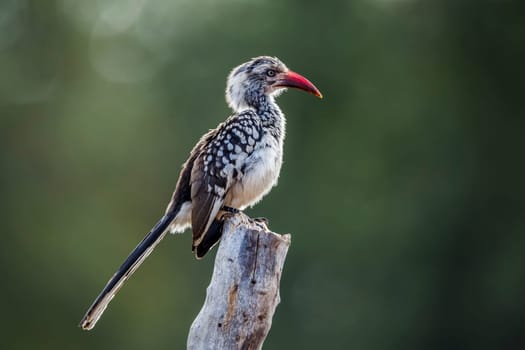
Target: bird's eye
270 73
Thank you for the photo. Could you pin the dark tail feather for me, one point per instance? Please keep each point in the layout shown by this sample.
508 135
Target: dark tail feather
137 256
211 237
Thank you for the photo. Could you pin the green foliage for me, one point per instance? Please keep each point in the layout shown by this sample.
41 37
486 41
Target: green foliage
403 188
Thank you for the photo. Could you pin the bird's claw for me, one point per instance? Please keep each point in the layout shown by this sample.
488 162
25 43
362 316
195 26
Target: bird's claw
229 212
261 222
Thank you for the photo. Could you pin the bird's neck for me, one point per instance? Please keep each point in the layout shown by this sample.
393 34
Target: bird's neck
266 109
271 116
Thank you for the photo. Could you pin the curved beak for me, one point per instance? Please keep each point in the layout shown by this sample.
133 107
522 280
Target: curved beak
295 80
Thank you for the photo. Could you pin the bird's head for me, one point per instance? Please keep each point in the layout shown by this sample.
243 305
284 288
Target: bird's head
261 77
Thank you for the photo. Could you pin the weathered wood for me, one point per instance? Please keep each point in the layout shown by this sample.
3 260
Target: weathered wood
244 289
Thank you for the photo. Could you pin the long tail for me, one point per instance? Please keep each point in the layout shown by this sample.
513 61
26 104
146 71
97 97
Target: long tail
133 261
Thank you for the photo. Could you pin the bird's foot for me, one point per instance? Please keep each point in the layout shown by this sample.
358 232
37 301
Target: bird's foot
261 222
229 212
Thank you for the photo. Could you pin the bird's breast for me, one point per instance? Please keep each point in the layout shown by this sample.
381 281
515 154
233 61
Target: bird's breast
259 172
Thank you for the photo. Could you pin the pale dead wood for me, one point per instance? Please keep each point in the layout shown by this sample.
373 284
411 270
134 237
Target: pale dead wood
244 289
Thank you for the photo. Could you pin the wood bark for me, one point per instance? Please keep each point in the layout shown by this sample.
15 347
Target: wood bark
244 289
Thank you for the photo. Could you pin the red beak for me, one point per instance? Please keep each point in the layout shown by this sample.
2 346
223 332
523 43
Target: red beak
295 80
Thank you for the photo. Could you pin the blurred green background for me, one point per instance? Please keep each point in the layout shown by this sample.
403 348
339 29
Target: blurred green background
403 188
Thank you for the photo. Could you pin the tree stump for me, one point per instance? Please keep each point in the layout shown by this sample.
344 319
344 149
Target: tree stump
244 289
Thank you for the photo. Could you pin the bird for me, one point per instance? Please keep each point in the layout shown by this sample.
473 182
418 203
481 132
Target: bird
231 167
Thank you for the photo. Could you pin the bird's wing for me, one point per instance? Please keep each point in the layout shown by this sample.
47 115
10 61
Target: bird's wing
212 173
208 188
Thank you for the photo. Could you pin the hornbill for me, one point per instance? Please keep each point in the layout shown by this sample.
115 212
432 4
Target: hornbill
232 167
